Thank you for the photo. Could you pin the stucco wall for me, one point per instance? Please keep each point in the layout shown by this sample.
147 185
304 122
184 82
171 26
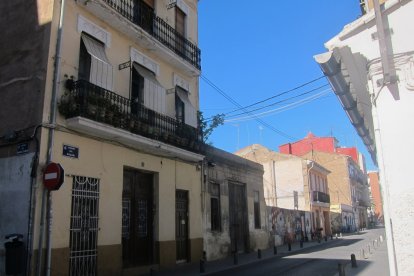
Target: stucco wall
106 161
393 105
288 225
229 168
14 199
24 49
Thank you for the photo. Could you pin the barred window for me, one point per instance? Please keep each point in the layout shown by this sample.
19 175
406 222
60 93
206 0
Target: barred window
256 210
215 207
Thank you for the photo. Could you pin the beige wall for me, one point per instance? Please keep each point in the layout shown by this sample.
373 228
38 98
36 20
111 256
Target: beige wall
105 161
289 178
117 53
338 179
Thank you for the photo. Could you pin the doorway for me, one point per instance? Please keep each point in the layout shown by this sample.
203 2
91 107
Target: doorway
137 218
238 217
181 225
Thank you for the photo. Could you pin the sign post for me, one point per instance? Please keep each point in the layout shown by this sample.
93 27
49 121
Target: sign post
53 176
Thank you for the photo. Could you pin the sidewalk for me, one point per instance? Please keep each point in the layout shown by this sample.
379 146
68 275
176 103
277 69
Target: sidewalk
211 267
373 261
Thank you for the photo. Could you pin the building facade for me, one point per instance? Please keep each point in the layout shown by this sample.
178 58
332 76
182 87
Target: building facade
295 183
235 215
370 67
374 184
348 189
109 90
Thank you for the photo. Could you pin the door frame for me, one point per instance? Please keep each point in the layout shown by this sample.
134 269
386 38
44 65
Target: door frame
245 217
178 223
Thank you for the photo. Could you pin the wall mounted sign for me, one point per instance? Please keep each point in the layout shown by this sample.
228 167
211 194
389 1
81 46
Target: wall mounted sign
22 148
70 151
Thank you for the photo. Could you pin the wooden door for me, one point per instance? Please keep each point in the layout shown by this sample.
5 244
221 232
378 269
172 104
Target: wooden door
238 217
181 225
180 31
137 218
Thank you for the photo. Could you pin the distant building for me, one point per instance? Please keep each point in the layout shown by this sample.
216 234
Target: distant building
322 144
348 189
291 182
369 65
374 183
234 209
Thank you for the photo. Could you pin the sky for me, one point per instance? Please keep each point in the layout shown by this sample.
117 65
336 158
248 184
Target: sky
255 50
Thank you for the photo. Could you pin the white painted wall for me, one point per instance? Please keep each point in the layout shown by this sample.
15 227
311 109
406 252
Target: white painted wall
394 132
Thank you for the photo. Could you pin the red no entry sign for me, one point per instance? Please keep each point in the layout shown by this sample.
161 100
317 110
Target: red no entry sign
53 176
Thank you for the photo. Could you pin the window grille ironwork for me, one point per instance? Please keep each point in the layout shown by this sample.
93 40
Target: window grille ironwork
126 217
96 103
141 14
215 207
84 226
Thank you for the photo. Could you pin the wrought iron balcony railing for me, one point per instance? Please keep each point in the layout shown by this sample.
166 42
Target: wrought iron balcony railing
87 100
321 197
142 15
363 203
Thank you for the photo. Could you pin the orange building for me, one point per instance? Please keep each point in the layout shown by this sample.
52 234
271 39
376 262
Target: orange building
373 179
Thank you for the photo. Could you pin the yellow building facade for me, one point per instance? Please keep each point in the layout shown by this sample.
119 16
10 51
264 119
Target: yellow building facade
116 106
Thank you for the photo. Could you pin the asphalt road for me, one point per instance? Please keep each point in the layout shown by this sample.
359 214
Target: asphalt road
321 260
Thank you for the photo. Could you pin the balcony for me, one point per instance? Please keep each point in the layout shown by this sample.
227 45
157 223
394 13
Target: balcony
139 21
363 203
97 106
321 197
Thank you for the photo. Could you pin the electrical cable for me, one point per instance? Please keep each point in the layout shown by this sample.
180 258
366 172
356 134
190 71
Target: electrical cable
281 133
287 99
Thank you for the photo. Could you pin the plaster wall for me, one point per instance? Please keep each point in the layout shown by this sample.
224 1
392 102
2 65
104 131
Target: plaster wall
106 161
227 169
117 52
15 192
290 178
391 109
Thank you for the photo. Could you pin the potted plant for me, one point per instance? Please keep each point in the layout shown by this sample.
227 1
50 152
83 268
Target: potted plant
68 105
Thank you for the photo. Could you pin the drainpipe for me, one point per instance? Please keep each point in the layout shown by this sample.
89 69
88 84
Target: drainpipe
33 176
274 181
310 194
47 195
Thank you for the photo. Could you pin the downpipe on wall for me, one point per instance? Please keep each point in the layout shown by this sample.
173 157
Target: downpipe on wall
47 195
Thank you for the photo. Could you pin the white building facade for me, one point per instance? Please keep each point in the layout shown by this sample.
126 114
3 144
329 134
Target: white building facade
370 65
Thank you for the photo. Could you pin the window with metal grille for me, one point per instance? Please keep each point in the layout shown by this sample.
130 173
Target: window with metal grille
84 226
215 207
256 210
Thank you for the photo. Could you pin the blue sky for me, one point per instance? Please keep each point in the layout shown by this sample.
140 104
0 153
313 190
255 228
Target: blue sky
253 50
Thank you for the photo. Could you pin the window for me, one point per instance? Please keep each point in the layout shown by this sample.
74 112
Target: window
147 90
94 66
180 21
185 111
215 206
256 210
179 109
180 28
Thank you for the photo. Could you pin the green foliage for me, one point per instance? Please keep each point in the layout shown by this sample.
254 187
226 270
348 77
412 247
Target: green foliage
207 126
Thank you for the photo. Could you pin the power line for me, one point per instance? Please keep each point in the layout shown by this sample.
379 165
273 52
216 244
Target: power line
289 106
247 112
280 94
281 101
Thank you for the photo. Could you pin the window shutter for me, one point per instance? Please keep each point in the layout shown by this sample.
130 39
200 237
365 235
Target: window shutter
101 73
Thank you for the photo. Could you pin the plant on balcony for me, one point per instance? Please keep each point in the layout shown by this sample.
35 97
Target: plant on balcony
68 105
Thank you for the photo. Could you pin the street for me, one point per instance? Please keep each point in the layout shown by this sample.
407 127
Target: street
324 259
